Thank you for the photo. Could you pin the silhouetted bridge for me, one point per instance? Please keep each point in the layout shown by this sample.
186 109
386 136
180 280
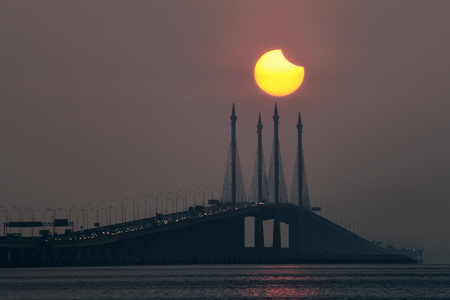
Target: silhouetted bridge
216 234
203 235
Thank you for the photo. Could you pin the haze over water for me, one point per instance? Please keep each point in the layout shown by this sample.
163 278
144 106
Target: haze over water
228 282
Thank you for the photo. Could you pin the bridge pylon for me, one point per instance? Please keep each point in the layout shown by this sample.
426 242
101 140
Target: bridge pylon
276 168
233 185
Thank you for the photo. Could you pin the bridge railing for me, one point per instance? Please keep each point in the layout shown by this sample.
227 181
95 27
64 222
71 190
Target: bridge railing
159 220
334 215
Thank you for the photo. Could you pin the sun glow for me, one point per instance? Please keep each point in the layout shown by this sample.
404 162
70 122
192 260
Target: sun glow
277 76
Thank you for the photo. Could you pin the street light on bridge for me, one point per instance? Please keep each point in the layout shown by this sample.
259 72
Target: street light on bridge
43 215
185 199
17 209
123 208
115 213
176 200
195 195
137 204
32 219
25 209
167 200
106 214
145 206
96 224
110 206
33 213
156 203
134 208
85 212
212 192
204 194
53 213
98 203
6 218
65 211
76 215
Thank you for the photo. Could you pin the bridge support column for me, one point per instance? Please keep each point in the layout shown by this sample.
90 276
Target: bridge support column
173 245
297 238
259 232
135 257
239 235
294 234
87 254
166 246
105 254
21 255
77 255
276 221
228 237
96 254
277 230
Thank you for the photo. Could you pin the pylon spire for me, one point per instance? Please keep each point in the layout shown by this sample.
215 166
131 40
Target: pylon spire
299 191
259 231
233 115
259 126
276 221
299 162
259 191
275 114
276 155
233 186
260 158
299 123
233 155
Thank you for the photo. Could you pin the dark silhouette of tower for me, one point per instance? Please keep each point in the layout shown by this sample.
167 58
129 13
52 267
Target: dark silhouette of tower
276 150
233 155
276 144
299 191
233 190
300 169
259 189
260 158
300 161
259 231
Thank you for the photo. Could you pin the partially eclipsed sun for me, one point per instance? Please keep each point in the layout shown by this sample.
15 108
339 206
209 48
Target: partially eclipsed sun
277 76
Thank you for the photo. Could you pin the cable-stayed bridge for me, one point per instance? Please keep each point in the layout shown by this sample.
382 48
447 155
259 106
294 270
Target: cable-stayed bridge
216 233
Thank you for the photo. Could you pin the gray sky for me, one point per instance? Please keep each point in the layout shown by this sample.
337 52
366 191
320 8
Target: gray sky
111 99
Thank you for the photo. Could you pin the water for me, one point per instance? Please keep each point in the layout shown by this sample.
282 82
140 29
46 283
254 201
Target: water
228 282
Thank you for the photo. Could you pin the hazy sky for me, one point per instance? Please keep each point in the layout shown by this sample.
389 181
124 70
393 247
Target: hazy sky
106 100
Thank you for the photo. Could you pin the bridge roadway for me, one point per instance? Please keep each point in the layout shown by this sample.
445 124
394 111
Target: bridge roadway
214 234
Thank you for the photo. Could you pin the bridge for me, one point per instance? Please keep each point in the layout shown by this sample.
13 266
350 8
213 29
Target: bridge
204 235
215 233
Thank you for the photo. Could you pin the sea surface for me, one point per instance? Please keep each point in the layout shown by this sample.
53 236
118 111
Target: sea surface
228 282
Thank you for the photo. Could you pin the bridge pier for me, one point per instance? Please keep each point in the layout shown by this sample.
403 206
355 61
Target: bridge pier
297 238
294 235
173 245
259 232
276 230
86 254
77 255
117 257
239 235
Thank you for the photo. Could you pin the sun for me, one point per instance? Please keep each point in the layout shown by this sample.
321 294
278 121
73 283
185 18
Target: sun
277 76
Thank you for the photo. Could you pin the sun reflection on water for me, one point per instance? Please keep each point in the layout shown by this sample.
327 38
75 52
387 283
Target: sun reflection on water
281 282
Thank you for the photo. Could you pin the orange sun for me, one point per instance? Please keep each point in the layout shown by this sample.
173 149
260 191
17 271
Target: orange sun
277 76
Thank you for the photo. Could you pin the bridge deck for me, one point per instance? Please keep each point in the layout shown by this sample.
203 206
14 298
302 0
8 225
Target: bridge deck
214 234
